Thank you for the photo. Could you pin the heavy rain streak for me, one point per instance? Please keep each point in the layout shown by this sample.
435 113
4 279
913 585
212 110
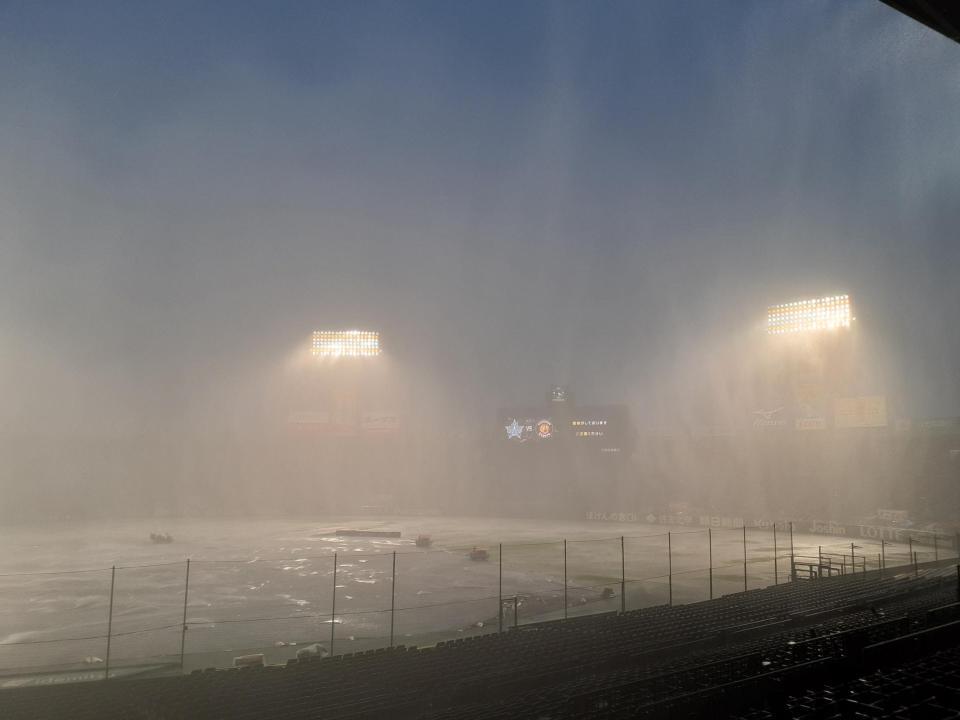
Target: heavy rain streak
406 321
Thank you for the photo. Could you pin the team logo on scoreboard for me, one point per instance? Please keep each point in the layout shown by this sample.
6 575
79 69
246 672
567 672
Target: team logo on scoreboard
545 429
525 430
514 430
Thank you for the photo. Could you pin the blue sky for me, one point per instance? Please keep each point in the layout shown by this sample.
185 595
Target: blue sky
514 193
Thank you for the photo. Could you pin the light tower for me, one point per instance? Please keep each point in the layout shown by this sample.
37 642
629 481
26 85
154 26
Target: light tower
338 405
345 344
813 347
826 400
344 355
814 315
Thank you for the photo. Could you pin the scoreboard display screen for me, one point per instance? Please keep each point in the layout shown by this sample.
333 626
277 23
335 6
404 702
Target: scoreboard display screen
603 428
522 428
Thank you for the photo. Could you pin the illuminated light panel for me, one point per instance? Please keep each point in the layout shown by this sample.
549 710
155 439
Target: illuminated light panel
816 315
345 343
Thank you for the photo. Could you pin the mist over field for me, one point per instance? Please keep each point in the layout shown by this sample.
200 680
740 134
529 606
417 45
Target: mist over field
513 194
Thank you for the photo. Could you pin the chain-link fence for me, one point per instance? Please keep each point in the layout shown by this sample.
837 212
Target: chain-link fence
203 613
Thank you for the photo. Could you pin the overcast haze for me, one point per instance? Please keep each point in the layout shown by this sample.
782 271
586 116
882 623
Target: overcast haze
607 195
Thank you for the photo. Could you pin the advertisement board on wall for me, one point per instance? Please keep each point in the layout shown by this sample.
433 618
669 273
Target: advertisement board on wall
344 425
947 426
811 423
860 412
379 422
324 423
764 418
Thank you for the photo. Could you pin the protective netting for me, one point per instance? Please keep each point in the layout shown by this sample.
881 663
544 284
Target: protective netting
414 596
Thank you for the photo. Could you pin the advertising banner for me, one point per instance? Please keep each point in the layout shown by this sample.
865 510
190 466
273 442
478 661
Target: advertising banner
345 425
946 426
769 418
379 422
323 423
860 412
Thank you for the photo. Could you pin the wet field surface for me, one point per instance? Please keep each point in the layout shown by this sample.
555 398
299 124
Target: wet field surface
268 585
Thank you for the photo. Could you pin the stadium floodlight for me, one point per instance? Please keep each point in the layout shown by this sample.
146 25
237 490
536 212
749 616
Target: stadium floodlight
815 315
345 343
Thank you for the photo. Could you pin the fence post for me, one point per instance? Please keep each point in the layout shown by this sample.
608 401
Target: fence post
393 596
936 549
183 630
710 555
744 558
106 668
669 568
911 558
500 589
819 560
880 566
793 565
883 555
853 560
564 578
333 605
916 567
623 578
776 576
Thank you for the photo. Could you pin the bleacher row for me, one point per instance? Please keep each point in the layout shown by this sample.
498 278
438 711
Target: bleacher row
748 654
927 688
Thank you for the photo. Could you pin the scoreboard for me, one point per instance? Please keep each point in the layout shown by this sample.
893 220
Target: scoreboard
605 428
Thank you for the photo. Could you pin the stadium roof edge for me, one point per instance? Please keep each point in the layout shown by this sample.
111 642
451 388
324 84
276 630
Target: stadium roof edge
940 15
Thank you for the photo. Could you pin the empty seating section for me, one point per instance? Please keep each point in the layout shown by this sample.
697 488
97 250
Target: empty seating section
925 688
788 651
